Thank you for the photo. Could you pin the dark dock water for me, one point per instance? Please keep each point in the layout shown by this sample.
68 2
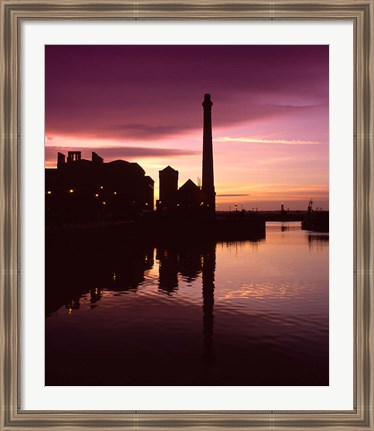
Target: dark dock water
209 312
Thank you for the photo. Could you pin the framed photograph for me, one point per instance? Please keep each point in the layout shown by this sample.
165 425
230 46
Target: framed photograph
186 213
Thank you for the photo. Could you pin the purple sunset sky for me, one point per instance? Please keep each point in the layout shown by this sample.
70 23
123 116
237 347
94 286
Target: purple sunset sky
143 103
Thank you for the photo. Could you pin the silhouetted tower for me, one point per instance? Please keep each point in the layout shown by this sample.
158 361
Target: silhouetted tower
208 176
60 160
168 187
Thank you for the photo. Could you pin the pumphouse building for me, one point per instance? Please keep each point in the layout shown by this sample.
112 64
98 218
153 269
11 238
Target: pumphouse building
191 199
82 190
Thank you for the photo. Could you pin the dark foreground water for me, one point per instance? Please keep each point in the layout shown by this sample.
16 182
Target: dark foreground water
242 313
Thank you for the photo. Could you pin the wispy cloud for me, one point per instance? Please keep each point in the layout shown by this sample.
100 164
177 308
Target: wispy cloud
267 141
232 194
140 130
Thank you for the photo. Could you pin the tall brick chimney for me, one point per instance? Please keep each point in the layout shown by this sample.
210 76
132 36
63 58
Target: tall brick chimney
208 175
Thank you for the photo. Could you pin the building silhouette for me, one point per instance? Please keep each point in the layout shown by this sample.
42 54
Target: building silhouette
81 190
168 196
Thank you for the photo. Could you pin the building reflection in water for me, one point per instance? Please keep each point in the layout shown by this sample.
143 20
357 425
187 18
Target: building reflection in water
121 272
190 262
73 304
318 241
168 269
95 296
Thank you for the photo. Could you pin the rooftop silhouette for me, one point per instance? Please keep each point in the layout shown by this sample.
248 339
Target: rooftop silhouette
82 190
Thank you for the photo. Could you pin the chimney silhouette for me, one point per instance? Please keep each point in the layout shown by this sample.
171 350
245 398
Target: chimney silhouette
208 176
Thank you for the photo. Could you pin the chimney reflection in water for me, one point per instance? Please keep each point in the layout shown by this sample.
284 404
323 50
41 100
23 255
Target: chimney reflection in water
208 267
189 263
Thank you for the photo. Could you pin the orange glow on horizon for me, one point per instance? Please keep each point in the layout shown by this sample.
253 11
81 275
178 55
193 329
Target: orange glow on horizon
259 171
260 185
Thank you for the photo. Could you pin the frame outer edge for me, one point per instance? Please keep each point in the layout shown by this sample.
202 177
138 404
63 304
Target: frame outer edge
11 233
2 217
369 107
9 200
364 214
